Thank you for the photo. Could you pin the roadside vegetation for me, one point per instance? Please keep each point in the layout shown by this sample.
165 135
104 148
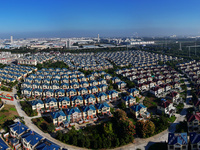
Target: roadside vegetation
28 109
117 132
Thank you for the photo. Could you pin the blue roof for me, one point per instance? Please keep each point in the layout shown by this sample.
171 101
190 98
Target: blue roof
49 99
68 90
127 98
57 114
47 145
35 102
60 90
3 145
49 90
137 107
72 110
101 105
180 138
19 127
92 87
82 88
86 108
32 137
100 94
76 97
132 90
88 96
194 138
60 99
111 92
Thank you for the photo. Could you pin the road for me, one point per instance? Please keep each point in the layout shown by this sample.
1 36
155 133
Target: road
144 144
33 127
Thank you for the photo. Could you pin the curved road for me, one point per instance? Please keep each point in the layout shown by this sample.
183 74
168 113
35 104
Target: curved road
142 144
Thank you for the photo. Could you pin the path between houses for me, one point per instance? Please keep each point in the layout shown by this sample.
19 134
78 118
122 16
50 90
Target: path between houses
33 127
144 144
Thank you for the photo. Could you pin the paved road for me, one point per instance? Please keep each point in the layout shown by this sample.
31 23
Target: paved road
144 144
36 129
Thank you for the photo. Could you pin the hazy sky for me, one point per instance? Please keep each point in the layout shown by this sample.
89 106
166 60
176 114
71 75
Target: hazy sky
76 18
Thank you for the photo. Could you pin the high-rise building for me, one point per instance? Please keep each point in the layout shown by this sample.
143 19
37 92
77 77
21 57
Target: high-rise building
98 40
68 43
11 39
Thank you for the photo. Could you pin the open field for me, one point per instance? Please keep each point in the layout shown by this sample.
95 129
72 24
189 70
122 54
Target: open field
7 113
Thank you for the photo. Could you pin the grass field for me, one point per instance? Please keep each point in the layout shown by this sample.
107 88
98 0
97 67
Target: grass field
7 113
42 123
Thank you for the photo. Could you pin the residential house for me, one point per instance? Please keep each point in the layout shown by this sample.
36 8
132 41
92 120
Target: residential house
37 92
82 91
140 111
64 102
64 86
37 104
129 100
101 97
89 99
112 94
193 121
166 107
73 114
30 139
50 103
177 141
48 93
88 112
3 145
26 91
84 84
103 108
92 89
102 87
174 96
47 145
194 141
76 100
17 129
58 117
71 92
59 92
134 92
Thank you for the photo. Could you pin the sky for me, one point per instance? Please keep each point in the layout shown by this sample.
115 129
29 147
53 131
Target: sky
109 18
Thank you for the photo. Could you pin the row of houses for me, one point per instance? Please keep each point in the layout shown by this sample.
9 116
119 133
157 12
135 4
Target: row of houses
21 137
34 59
15 73
183 141
135 58
67 117
85 62
158 80
66 102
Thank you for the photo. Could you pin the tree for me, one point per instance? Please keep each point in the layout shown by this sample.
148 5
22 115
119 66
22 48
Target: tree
51 128
87 142
75 140
95 144
65 138
145 128
117 143
59 135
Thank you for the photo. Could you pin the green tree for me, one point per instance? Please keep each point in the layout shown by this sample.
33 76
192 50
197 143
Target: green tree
59 135
51 128
87 142
75 140
145 128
